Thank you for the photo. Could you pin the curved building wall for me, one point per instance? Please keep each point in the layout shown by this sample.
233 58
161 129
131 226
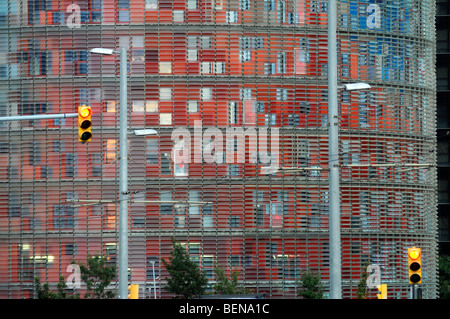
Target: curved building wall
202 68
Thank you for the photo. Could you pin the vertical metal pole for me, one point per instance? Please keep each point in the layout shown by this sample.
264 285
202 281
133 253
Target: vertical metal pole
154 278
123 180
333 158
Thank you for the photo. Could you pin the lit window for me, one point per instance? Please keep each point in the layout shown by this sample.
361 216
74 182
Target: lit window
110 151
151 106
110 106
165 67
138 106
165 119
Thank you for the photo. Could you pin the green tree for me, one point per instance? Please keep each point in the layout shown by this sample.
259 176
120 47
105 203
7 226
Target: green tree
97 276
227 286
43 291
186 279
444 277
361 293
310 286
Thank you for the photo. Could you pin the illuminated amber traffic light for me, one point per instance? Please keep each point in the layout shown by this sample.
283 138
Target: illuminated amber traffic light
414 265
84 123
134 291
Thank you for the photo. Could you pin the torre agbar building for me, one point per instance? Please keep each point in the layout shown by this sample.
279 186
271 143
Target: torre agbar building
238 89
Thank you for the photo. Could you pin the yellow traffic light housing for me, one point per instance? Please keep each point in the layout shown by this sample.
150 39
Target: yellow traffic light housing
134 291
414 265
84 123
383 291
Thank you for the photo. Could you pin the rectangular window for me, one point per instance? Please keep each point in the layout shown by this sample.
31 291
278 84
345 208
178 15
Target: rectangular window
193 106
192 4
165 119
111 151
152 151
194 207
151 4
165 94
165 67
165 207
152 106
137 106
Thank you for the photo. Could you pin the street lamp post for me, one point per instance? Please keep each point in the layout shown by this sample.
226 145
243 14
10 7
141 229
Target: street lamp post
123 169
333 158
123 179
333 153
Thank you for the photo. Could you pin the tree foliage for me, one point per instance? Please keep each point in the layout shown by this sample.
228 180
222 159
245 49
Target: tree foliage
96 275
44 292
310 286
361 293
227 286
186 279
444 277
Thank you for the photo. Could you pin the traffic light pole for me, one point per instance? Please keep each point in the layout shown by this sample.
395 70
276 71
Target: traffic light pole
37 117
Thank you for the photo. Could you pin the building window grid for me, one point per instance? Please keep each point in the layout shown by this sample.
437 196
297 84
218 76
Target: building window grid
266 100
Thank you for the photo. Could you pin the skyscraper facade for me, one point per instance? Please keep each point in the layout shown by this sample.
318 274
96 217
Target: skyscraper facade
238 172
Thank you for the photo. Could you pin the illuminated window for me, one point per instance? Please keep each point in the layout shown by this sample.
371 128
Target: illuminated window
110 106
110 215
152 106
111 151
138 106
165 119
165 67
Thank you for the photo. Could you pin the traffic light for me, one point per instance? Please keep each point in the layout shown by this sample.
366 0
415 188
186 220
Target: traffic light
383 291
134 291
84 123
414 266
